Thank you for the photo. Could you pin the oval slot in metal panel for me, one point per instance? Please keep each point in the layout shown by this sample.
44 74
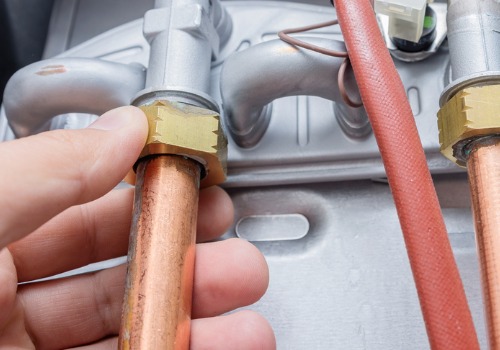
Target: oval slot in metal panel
273 227
414 100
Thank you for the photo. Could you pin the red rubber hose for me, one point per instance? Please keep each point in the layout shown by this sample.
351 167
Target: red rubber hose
442 298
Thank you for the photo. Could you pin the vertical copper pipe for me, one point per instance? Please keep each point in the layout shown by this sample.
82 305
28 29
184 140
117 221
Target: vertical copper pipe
483 166
157 306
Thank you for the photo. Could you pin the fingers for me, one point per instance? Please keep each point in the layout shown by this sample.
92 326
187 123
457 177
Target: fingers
99 230
84 309
8 287
217 292
49 172
105 344
12 332
242 330
215 215
78 310
83 234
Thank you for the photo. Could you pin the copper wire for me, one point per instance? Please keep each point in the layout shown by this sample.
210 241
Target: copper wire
294 41
284 35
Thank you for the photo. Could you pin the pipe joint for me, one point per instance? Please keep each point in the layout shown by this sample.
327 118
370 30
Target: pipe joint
472 113
181 129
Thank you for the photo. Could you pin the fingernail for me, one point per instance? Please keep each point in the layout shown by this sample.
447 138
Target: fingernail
111 120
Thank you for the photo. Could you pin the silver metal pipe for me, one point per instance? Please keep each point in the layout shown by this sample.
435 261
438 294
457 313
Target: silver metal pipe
184 36
473 36
253 78
474 42
222 22
162 3
45 89
221 19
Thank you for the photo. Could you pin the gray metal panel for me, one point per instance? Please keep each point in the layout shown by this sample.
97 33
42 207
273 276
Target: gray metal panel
93 17
283 156
347 284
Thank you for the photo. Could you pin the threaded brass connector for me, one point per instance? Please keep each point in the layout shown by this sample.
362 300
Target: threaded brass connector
185 130
473 112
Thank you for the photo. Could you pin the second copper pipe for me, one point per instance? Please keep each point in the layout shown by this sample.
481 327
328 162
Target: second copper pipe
483 166
158 295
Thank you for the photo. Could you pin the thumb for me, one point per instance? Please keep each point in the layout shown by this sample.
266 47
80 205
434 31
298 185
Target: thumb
44 174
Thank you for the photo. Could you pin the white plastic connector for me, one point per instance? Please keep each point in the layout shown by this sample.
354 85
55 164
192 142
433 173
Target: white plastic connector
406 17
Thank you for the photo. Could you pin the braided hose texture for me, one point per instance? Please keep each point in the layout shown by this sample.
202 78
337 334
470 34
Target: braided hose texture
442 298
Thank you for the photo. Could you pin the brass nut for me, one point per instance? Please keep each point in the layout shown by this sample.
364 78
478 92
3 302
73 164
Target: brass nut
182 129
473 112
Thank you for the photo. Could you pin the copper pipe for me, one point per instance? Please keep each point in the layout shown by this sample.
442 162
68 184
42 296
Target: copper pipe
157 305
483 166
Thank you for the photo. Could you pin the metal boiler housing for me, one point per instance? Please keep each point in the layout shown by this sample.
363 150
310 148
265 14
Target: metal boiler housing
309 194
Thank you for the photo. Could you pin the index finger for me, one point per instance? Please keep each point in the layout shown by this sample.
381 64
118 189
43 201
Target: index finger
49 172
99 230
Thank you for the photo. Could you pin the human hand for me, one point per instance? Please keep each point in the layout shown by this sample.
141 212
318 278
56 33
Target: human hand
54 186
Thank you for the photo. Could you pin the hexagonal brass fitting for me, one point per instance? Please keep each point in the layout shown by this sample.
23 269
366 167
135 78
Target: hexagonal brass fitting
473 112
182 129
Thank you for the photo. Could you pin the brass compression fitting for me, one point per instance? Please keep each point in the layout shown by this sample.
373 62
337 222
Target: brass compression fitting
185 144
471 113
189 131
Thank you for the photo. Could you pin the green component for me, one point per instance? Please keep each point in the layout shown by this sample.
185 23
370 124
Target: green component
429 22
